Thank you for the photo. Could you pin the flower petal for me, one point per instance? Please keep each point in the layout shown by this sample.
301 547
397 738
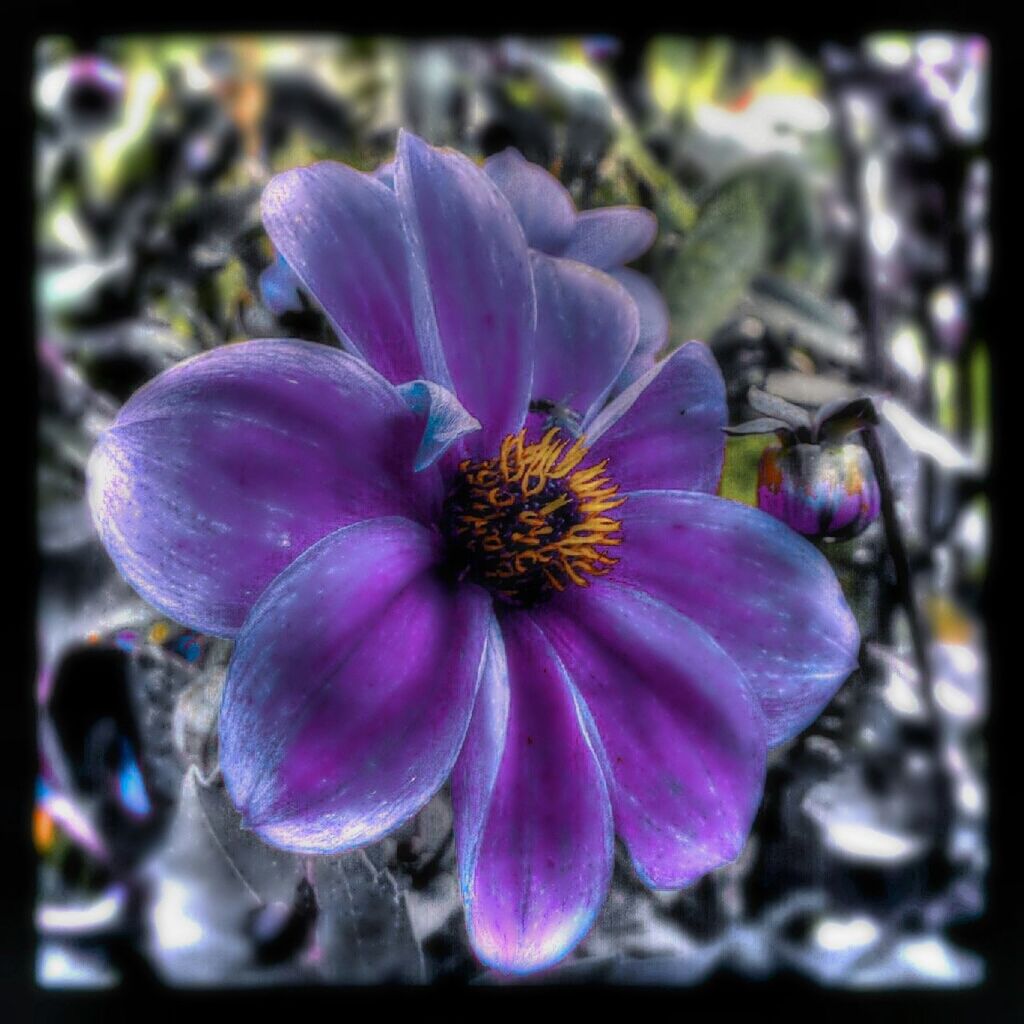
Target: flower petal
341 234
654 321
540 201
654 325
446 419
665 430
385 173
768 596
223 469
608 237
639 364
472 286
351 688
587 328
532 820
682 733
279 288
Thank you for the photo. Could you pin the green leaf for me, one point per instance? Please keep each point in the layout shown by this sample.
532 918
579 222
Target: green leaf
715 262
759 218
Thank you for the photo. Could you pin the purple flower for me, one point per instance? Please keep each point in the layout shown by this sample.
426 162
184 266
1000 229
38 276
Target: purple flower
428 574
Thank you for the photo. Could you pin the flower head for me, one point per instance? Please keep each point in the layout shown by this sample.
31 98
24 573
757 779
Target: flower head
445 552
530 520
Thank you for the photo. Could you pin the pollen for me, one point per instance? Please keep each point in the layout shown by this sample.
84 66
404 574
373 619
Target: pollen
531 521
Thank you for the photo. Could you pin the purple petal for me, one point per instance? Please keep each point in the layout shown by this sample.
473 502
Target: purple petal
654 322
532 819
608 237
279 288
654 326
639 364
682 733
586 330
446 420
385 173
226 467
341 233
472 286
768 596
540 201
351 688
664 431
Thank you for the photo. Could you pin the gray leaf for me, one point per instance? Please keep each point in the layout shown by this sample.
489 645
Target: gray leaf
363 929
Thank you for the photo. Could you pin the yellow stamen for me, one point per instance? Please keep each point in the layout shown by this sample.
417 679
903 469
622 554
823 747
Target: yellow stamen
530 518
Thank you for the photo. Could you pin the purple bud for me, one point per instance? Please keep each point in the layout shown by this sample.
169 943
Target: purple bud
819 491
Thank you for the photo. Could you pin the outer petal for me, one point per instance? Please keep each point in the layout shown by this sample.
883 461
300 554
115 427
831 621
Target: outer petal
472 286
226 467
532 819
683 735
654 325
543 205
654 321
587 328
341 234
768 596
351 688
610 236
665 430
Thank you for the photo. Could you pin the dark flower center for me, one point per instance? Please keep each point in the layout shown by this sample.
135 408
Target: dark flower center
529 521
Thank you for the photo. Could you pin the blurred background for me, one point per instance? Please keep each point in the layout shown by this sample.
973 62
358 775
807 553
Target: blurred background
823 227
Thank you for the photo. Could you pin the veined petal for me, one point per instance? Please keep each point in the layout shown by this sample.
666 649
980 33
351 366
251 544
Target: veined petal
587 328
472 286
532 820
767 596
665 430
225 468
683 735
351 688
540 201
341 234
611 236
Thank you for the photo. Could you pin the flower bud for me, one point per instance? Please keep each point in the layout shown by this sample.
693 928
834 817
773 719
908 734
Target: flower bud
819 490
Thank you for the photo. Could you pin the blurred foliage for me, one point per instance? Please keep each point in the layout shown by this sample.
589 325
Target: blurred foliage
758 219
739 472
